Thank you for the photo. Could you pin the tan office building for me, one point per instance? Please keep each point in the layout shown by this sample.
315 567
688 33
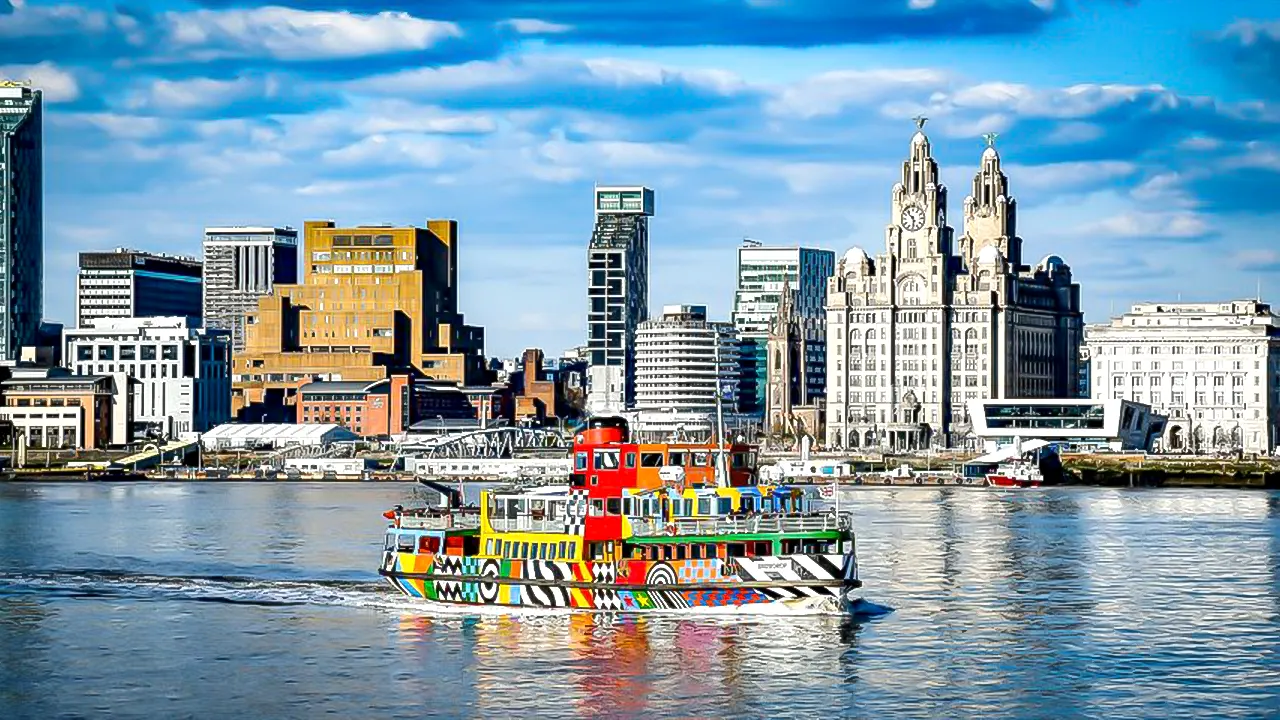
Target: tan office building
374 301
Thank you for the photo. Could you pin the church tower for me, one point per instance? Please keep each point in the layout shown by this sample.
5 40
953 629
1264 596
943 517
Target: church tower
779 351
990 213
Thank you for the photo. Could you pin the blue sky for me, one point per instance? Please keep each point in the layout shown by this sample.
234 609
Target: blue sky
1141 137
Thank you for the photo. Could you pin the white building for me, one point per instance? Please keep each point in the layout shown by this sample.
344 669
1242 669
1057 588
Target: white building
273 436
1076 423
762 273
922 328
683 360
618 294
242 264
180 375
1213 368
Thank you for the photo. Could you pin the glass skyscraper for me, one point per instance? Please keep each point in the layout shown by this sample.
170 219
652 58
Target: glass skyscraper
21 218
762 271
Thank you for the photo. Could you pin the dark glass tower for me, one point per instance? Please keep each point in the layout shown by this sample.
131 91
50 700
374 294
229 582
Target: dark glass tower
21 218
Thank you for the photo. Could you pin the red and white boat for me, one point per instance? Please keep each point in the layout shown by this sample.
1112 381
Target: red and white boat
1020 474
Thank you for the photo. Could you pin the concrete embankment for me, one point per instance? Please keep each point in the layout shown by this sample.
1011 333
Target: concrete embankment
1150 472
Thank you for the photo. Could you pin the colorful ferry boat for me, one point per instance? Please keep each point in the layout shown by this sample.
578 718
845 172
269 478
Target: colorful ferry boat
639 528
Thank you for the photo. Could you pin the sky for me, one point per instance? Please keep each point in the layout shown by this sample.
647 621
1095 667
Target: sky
1141 137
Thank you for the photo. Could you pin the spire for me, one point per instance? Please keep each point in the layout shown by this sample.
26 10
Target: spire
783 319
920 170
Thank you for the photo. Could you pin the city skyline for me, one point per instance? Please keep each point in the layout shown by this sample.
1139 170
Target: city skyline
789 129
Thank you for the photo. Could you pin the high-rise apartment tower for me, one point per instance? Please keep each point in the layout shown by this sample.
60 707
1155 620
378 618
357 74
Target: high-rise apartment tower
242 264
618 293
21 217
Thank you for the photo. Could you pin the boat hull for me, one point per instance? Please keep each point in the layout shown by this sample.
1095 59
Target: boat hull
785 584
1005 481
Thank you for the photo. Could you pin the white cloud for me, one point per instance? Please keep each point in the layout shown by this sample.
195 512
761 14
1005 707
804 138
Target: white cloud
287 34
56 85
400 116
402 150
831 92
1141 224
1067 175
533 26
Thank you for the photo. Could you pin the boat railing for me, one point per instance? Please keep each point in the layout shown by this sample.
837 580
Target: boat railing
527 523
732 525
455 519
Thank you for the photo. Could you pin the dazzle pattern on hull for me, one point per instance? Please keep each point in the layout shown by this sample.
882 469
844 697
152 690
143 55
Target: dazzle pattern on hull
625 586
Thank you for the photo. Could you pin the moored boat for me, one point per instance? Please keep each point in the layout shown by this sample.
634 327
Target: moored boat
1021 474
639 528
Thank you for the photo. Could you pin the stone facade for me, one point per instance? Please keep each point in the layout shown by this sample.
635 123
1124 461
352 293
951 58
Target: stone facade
1213 368
933 322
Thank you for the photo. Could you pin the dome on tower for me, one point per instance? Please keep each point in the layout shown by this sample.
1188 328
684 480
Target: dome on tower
854 258
1051 262
990 153
990 255
919 138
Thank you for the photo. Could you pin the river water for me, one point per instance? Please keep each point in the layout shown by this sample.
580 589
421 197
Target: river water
261 601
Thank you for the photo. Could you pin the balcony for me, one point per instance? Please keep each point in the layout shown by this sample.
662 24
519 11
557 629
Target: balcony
768 523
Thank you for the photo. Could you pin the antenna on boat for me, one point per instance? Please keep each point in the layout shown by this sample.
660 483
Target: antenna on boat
721 472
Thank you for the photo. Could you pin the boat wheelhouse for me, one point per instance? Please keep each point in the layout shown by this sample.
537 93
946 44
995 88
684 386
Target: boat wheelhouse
624 535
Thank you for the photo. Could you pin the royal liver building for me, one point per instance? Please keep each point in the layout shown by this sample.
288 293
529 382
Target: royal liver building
918 330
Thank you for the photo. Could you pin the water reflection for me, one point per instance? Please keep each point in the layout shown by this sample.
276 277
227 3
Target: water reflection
1062 603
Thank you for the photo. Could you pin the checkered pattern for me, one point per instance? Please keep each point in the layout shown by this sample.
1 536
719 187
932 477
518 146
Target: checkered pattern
604 573
576 512
607 600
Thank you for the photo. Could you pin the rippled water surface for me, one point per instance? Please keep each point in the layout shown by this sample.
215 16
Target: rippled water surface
261 600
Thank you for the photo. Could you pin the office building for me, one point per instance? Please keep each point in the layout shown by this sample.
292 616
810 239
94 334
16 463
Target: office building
242 264
21 217
762 273
929 324
683 361
618 293
134 284
1212 368
178 374
51 408
374 301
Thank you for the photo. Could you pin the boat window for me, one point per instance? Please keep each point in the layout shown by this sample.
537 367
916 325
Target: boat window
677 458
651 459
428 544
391 541
739 460
488 546
580 461
682 552
748 504
631 460
701 459
667 552
597 508
790 547
626 506
597 551
506 548
405 543
735 550
762 548
563 552
578 480
726 506
595 480
606 459
704 506
613 506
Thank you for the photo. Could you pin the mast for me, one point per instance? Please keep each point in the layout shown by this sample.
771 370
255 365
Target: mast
721 472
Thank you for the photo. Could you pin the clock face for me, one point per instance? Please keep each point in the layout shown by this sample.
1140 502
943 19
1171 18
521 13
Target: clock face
913 217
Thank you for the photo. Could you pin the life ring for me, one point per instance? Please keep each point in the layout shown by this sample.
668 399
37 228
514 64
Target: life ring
919 481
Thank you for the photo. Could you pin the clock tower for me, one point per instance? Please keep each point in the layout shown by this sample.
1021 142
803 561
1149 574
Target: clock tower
917 239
